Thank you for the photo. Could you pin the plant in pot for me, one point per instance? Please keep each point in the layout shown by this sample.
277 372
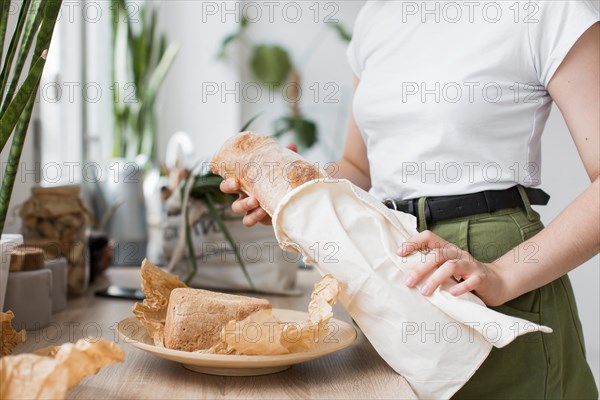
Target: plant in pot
141 60
208 246
31 37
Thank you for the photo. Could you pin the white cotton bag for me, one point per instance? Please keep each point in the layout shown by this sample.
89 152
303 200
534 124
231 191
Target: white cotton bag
437 342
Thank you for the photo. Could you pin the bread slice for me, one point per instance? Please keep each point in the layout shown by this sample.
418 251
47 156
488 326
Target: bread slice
195 317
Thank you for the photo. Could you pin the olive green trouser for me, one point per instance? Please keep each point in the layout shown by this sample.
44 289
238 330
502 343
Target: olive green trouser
536 365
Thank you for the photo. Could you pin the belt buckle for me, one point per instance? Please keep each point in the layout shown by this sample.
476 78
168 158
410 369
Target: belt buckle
389 203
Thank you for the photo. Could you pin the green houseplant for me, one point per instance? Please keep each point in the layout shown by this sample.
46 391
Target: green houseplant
34 26
272 65
33 30
141 60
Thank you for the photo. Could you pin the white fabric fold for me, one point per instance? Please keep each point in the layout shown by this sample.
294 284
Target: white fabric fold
436 342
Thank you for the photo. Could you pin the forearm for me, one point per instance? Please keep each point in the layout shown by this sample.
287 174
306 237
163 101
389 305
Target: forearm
568 241
344 169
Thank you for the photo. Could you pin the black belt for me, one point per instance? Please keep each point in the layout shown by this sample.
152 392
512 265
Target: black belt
447 207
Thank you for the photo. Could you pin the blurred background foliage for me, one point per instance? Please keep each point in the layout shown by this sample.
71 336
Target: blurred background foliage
141 58
272 66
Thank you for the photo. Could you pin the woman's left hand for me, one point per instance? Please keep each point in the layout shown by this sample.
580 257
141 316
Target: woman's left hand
448 261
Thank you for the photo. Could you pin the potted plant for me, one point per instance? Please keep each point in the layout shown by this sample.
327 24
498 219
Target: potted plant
208 246
141 60
33 30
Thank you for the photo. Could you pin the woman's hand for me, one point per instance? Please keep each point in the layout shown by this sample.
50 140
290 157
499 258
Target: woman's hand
448 261
245 204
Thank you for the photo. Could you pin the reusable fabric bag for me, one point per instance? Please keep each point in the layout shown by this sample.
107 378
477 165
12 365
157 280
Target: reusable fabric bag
437 342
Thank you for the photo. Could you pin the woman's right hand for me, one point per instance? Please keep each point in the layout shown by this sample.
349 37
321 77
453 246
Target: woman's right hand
245 204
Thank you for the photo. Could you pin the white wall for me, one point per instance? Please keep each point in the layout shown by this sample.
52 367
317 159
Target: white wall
181 104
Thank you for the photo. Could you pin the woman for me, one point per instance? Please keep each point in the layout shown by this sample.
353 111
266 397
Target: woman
450 102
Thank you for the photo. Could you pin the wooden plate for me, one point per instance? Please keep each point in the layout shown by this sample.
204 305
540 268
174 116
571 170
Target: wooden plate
341 335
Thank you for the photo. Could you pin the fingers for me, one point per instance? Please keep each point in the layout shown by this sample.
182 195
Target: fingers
428 240
429 262
444 261
253 217
423 240
244 205
468 285
229 186
446 271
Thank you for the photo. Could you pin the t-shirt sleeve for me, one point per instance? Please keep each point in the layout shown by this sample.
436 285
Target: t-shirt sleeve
554 27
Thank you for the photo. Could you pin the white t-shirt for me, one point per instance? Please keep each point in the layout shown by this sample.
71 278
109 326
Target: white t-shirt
452 96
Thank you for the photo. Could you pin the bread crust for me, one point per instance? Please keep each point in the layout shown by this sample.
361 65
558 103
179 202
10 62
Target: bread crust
195 317
263 168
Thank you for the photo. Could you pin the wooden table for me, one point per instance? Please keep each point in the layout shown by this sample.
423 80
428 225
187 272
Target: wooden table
356 372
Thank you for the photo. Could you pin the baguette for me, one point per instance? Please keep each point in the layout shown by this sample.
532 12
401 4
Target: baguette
263 168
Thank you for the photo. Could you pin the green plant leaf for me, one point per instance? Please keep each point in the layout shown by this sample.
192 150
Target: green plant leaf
162 46
190 247
212 209
120 79
160 73
43 40
271 64
12 47
207 181
228 39
148 98
282 125
305 133
141 59
4 9
231 37
19 103
150 37
206 189
32 25
249 122
44 36
136 46
14 157
341 31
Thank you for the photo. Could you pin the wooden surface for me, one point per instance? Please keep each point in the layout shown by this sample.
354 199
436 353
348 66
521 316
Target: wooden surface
356 372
